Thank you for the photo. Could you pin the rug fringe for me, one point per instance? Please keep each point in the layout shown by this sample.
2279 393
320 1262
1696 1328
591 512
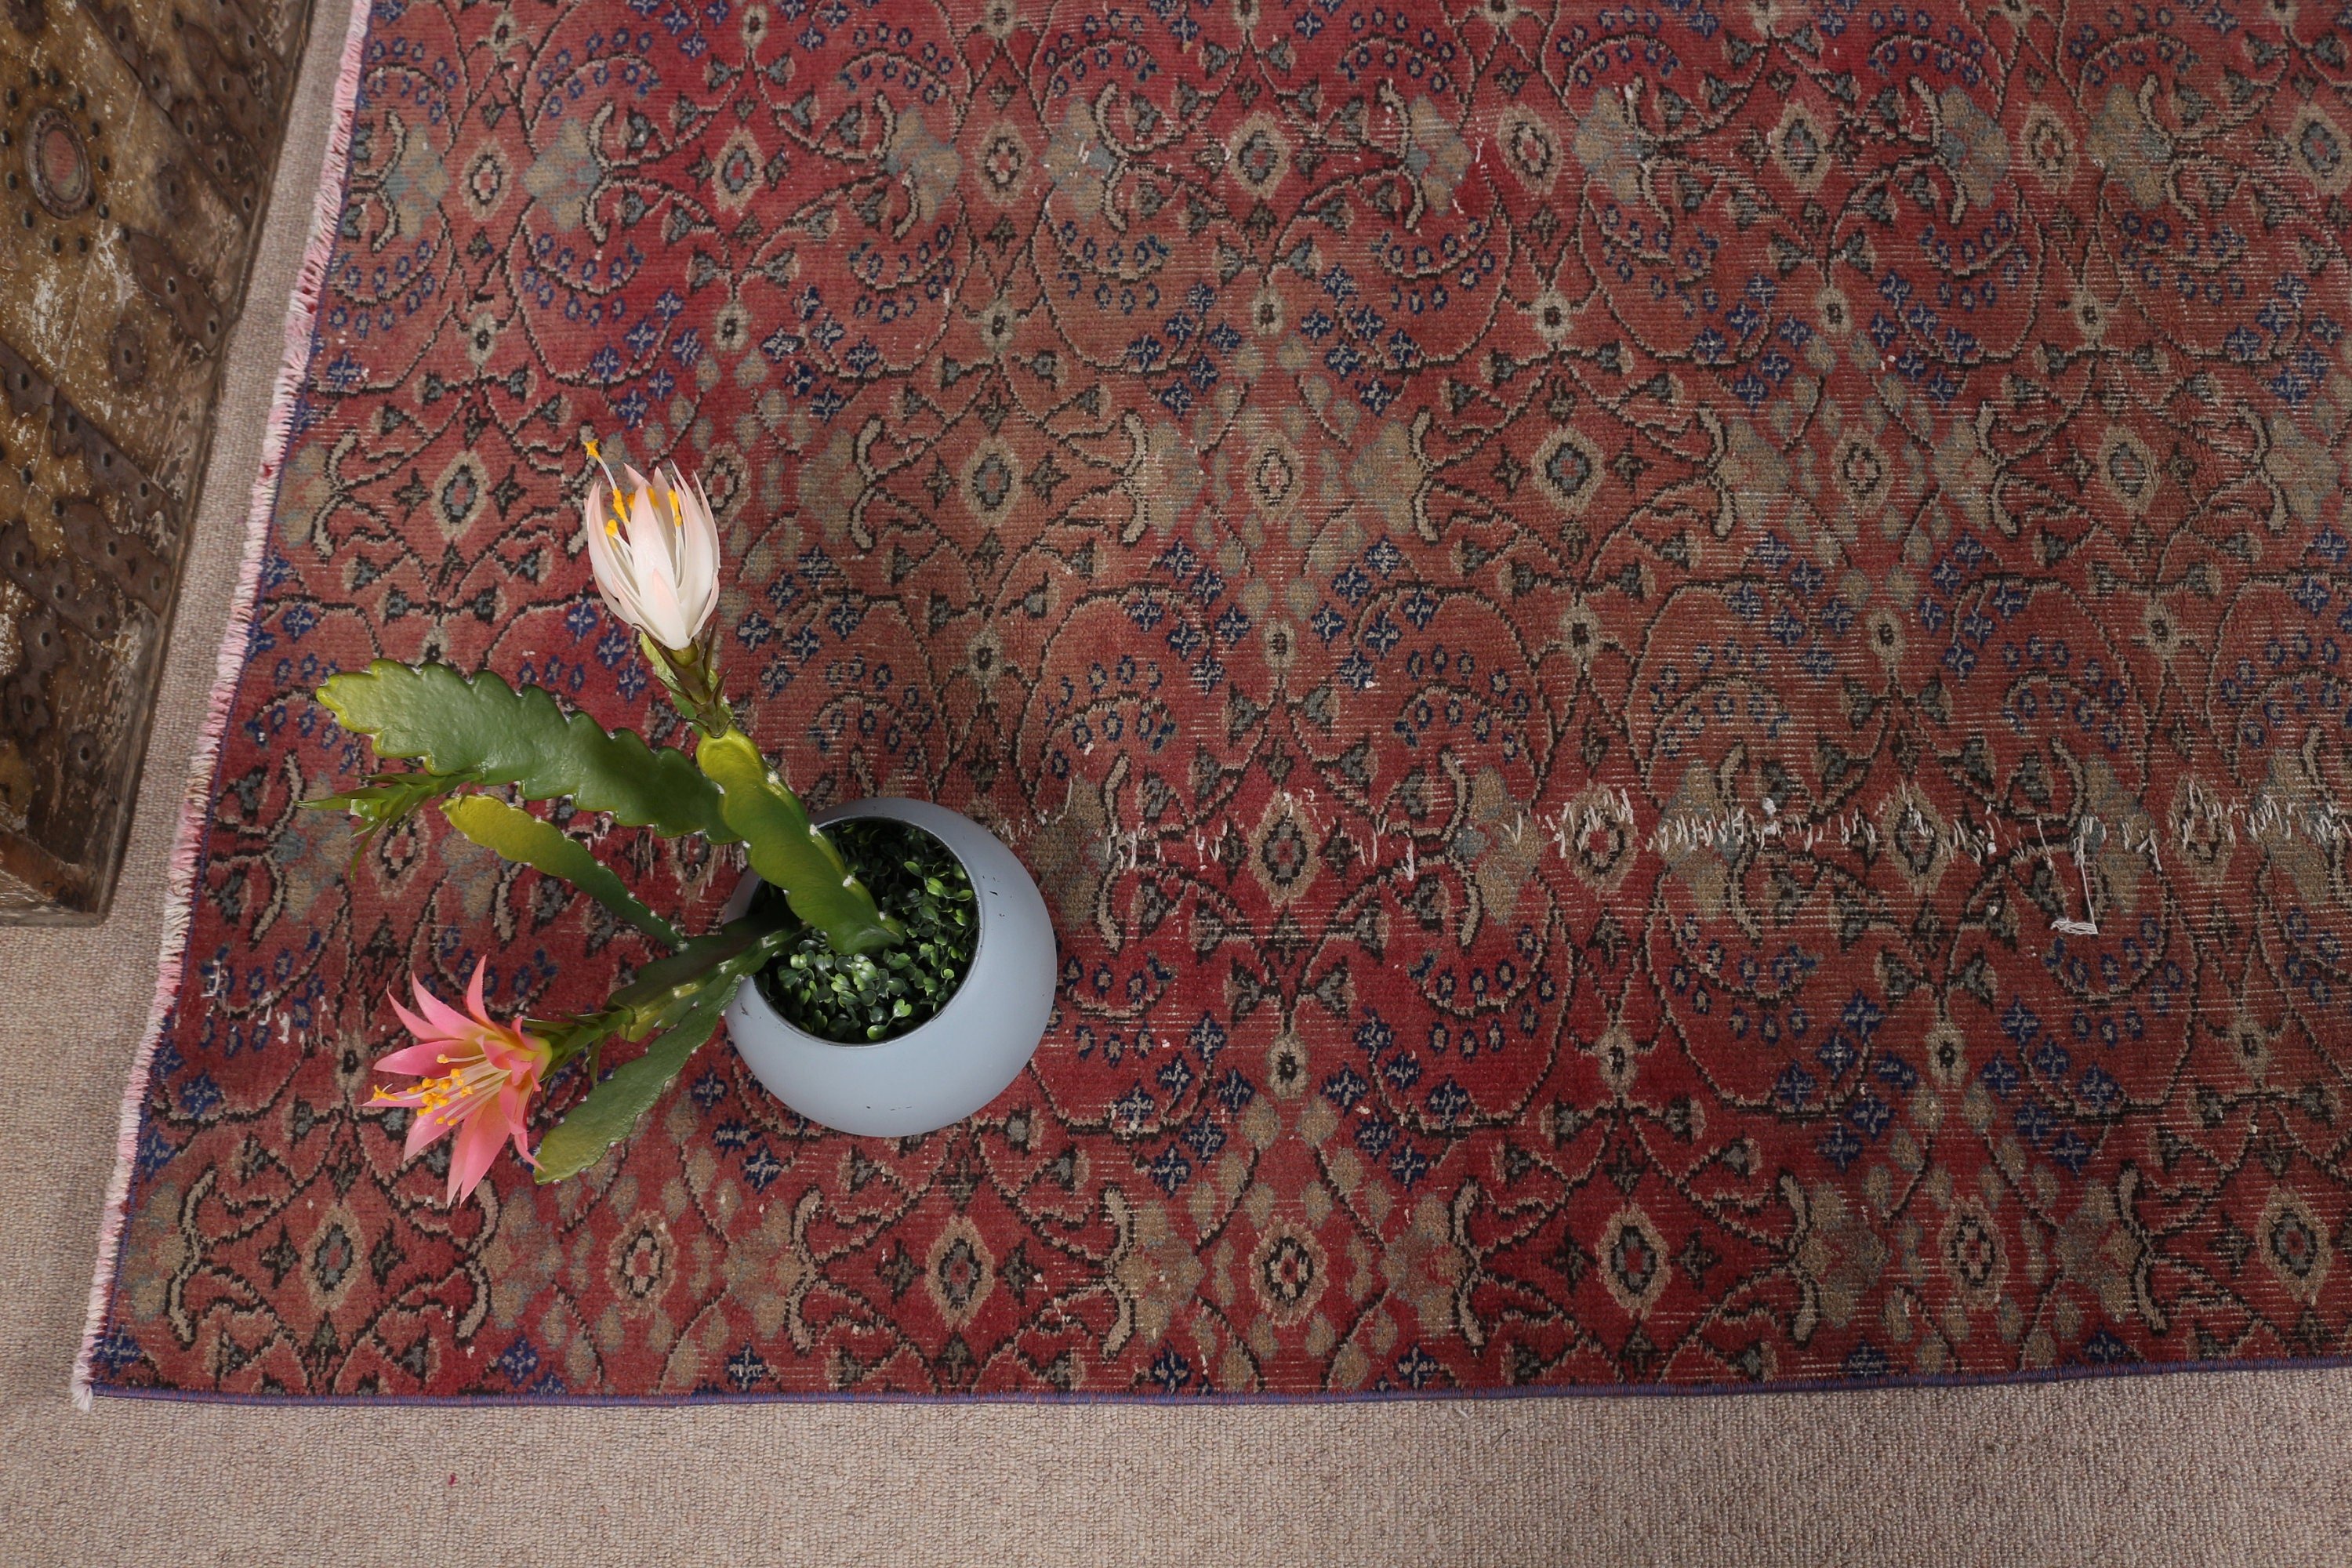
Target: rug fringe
301 319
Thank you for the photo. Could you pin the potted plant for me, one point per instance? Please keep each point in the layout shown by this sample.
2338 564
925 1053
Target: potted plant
886 968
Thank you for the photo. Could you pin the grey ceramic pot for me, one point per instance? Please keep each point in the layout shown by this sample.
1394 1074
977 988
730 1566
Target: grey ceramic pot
961 1059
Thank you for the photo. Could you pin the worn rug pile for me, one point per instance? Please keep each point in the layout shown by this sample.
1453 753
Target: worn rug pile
1677 673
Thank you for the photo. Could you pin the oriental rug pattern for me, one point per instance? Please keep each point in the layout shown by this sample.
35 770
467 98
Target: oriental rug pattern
1675 672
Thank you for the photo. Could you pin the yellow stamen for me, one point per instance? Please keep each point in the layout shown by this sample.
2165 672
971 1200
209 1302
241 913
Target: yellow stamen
596 454
469 1081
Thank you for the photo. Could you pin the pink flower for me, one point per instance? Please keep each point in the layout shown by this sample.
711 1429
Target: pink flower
478 1080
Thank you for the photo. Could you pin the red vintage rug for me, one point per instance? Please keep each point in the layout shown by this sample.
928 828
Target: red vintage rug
1677 673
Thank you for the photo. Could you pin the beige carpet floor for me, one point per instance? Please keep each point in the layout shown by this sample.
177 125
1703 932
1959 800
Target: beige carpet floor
2198 1469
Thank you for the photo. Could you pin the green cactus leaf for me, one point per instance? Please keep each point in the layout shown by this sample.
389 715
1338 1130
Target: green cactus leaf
789 852
516 835
480 727
612 1107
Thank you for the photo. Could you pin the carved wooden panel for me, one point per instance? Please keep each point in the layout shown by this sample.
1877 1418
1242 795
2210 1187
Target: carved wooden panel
137 139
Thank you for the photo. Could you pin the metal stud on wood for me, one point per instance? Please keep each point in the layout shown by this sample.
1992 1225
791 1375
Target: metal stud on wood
136 143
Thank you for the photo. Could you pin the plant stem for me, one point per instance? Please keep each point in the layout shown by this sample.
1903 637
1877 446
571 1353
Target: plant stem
567 1038
690 676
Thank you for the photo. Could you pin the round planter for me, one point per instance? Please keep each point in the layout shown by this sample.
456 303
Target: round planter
949 1068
